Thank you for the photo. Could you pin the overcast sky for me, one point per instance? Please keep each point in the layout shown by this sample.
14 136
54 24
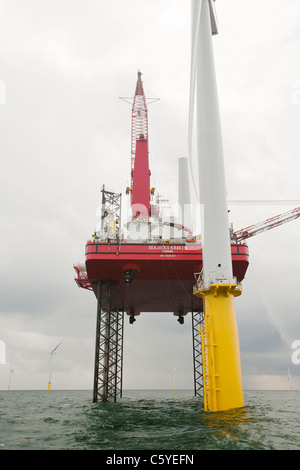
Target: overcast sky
64 133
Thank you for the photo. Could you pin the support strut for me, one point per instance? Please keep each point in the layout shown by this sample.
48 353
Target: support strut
197 326
109 344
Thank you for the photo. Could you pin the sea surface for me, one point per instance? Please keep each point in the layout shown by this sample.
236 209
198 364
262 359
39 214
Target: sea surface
146 420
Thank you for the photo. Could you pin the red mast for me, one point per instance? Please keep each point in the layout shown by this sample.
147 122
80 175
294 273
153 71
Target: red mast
140 172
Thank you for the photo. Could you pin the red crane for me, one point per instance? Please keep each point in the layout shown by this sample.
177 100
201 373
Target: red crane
268 224
140 172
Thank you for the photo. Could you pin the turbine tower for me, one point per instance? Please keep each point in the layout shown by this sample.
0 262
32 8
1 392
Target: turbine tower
216 284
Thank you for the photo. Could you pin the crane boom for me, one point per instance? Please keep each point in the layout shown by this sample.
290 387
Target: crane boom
139 119
268 224
140 173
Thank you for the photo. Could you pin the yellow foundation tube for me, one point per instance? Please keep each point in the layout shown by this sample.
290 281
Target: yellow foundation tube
222 377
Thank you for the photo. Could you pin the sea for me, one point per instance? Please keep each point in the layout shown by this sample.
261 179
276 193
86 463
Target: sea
162 422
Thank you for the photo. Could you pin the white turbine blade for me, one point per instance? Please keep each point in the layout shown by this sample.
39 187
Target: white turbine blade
213 18
56 347
196 6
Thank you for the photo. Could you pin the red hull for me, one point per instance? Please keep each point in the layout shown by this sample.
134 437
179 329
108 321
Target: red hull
163 273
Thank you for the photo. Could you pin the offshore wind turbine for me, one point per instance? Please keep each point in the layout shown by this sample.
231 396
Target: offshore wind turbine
11 371
216 284
50 364
174 377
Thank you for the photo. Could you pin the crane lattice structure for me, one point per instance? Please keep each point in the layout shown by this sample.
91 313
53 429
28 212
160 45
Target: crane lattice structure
268 224
139 120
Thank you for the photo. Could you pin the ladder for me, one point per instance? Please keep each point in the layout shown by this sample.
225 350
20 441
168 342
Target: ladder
204 361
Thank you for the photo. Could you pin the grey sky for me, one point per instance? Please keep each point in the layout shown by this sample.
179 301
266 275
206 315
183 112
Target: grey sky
64 132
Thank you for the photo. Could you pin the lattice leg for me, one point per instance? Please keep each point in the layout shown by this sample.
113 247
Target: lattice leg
197 323
109 345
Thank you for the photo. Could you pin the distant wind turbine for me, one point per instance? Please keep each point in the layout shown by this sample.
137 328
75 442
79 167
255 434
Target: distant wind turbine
174 376
11 371
50 364
289 378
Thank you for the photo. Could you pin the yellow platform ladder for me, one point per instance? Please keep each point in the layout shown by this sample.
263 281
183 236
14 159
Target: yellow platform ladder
208 364
201 332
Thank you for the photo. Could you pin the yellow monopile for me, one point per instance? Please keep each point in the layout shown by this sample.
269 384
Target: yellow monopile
222 377
49 386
